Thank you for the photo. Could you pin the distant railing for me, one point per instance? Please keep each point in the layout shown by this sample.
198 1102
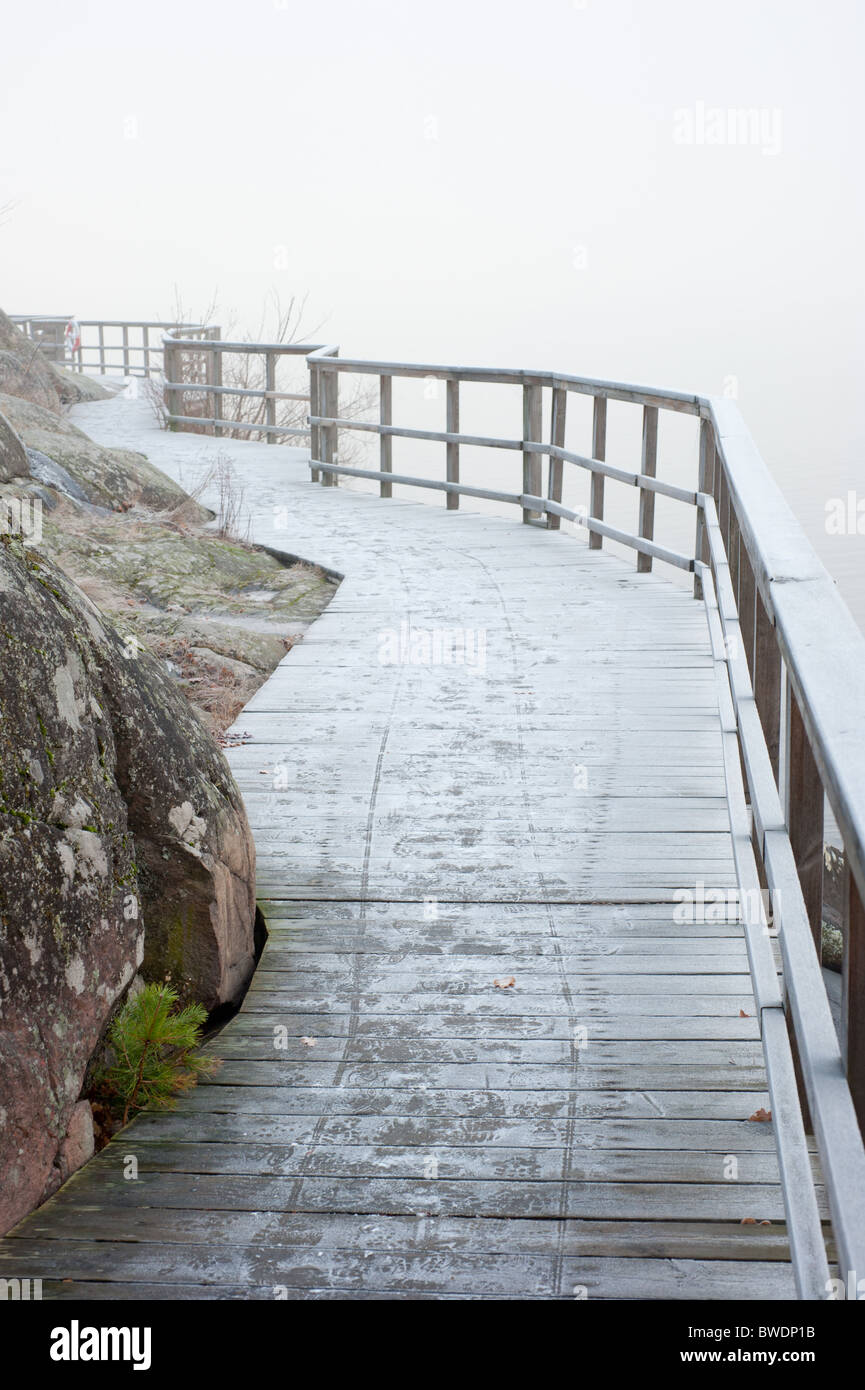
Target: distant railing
790 668
132 347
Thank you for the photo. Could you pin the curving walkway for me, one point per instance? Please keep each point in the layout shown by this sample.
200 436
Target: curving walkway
388 1123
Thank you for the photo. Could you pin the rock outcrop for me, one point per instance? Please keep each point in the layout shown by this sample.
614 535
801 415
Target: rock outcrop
26 372
13 456
113 478
124 847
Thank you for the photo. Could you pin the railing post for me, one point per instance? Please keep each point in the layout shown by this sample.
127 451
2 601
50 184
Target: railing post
452 451
385 443
599 451
218 398
705 469
314 430
648 465
746 602
767 681
532 431
101 349
805 816
167 398
212 397
270 387
558 412
331 410
126 349
724 508
853 994
804 808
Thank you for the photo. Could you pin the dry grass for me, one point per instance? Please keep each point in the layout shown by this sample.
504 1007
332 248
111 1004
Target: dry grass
216 690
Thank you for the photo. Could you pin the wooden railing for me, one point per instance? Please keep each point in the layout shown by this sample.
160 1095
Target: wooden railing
195 367
131 347
790 670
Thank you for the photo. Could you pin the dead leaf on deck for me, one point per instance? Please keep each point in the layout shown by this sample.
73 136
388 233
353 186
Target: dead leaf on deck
308 1042
505 984
742 1014
748 1221
761 1115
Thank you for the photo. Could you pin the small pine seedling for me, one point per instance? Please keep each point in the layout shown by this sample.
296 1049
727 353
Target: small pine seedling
154 1046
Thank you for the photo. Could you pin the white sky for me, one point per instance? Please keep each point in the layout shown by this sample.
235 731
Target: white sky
428 173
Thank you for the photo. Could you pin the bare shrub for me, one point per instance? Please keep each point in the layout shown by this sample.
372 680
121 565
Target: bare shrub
233 521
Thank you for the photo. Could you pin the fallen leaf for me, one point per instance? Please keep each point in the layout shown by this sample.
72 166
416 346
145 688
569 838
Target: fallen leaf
761 1115
765 1223
748 1221
742 1014
308 1042
505 984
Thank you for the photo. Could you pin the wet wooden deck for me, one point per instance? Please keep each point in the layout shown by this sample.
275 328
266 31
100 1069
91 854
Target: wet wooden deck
388 1122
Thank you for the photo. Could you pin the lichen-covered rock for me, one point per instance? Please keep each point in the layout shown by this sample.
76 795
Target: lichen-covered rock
25 371
75 387
194 849
122 840
70 923
45 470
78 1144
114 478
30 380
13 457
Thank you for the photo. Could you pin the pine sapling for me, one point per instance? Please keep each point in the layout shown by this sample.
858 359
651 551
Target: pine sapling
154 1045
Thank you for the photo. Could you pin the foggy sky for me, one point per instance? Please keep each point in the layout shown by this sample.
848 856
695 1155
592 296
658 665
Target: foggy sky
481 181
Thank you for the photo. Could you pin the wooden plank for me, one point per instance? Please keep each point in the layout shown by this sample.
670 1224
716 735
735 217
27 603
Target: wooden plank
452 1162
409 1100
302 1231
427 1273
722 1201
596 1135
672 1076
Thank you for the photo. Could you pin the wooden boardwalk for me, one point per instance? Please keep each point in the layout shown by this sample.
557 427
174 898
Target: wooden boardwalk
388 1122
